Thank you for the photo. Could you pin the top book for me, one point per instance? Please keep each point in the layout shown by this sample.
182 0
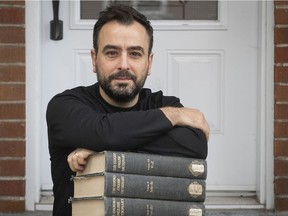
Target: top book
145 164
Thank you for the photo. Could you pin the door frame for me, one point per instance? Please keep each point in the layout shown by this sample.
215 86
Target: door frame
265 118
33 101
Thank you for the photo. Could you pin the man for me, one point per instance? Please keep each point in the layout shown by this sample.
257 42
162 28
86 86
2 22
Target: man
117 113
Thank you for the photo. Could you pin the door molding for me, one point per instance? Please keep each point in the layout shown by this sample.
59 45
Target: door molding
265 176
33 104
221 24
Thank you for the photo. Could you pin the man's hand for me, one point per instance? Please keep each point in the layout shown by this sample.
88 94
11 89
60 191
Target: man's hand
188 117
77 159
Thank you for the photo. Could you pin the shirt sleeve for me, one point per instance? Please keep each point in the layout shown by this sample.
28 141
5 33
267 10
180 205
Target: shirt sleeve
72 123
179 141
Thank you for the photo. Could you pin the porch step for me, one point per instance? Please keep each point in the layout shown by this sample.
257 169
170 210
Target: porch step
213 202
46 201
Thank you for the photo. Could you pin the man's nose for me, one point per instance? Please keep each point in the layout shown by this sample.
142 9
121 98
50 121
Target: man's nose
124 62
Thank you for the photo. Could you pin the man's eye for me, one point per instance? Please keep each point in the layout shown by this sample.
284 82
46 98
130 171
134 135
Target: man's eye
136 54
111 53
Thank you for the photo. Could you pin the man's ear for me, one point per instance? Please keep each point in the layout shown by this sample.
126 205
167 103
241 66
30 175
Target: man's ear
93 58
150 61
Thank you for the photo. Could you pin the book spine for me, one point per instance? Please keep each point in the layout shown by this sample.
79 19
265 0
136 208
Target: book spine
143 207
154 187
152 164
115 206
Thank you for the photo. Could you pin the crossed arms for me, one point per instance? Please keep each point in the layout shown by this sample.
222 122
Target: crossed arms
167 130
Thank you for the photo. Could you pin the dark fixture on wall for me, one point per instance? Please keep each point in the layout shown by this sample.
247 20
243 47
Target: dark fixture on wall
56 25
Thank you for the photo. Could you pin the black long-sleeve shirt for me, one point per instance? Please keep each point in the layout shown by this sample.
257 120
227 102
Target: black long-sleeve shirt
81 118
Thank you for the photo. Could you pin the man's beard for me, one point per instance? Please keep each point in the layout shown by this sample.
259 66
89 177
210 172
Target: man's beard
121 93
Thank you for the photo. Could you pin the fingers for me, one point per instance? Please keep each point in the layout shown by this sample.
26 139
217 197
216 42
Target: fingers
206 129
73 162
201 123
78 159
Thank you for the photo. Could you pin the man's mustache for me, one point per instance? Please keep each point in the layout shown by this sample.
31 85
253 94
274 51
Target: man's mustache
122 74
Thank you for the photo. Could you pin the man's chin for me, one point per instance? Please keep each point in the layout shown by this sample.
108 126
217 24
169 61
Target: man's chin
123 86
122 97
123 92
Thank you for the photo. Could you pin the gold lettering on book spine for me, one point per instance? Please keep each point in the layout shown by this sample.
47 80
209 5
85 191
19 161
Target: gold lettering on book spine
150 187
122 184
114 184
113 207
114 162
118 184
122 207
119 162
195 212
123 164
195 189
196 168
118 208
150 164
150 209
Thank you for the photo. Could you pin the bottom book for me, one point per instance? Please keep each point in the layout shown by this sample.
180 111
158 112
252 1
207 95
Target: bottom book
116 206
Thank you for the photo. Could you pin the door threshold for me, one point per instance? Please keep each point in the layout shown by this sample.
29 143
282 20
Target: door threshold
232 202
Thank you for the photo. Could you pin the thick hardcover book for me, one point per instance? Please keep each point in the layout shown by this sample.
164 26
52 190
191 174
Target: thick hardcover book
115 206
146 164
140 186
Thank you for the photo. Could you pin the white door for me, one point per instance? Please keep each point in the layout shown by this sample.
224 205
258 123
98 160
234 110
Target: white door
211 65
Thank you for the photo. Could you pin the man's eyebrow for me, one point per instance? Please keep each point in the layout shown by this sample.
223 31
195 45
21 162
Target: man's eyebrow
136 48
108 46
131 48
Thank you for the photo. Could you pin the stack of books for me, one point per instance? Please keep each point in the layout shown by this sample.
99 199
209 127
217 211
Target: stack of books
129 184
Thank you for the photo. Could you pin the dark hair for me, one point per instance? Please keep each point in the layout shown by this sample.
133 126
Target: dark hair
125 15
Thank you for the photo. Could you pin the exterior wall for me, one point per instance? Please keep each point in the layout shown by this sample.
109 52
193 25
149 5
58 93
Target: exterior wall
281 106
12 106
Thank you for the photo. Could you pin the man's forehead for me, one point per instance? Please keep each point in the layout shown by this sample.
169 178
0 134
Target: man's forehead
114 23
116 34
